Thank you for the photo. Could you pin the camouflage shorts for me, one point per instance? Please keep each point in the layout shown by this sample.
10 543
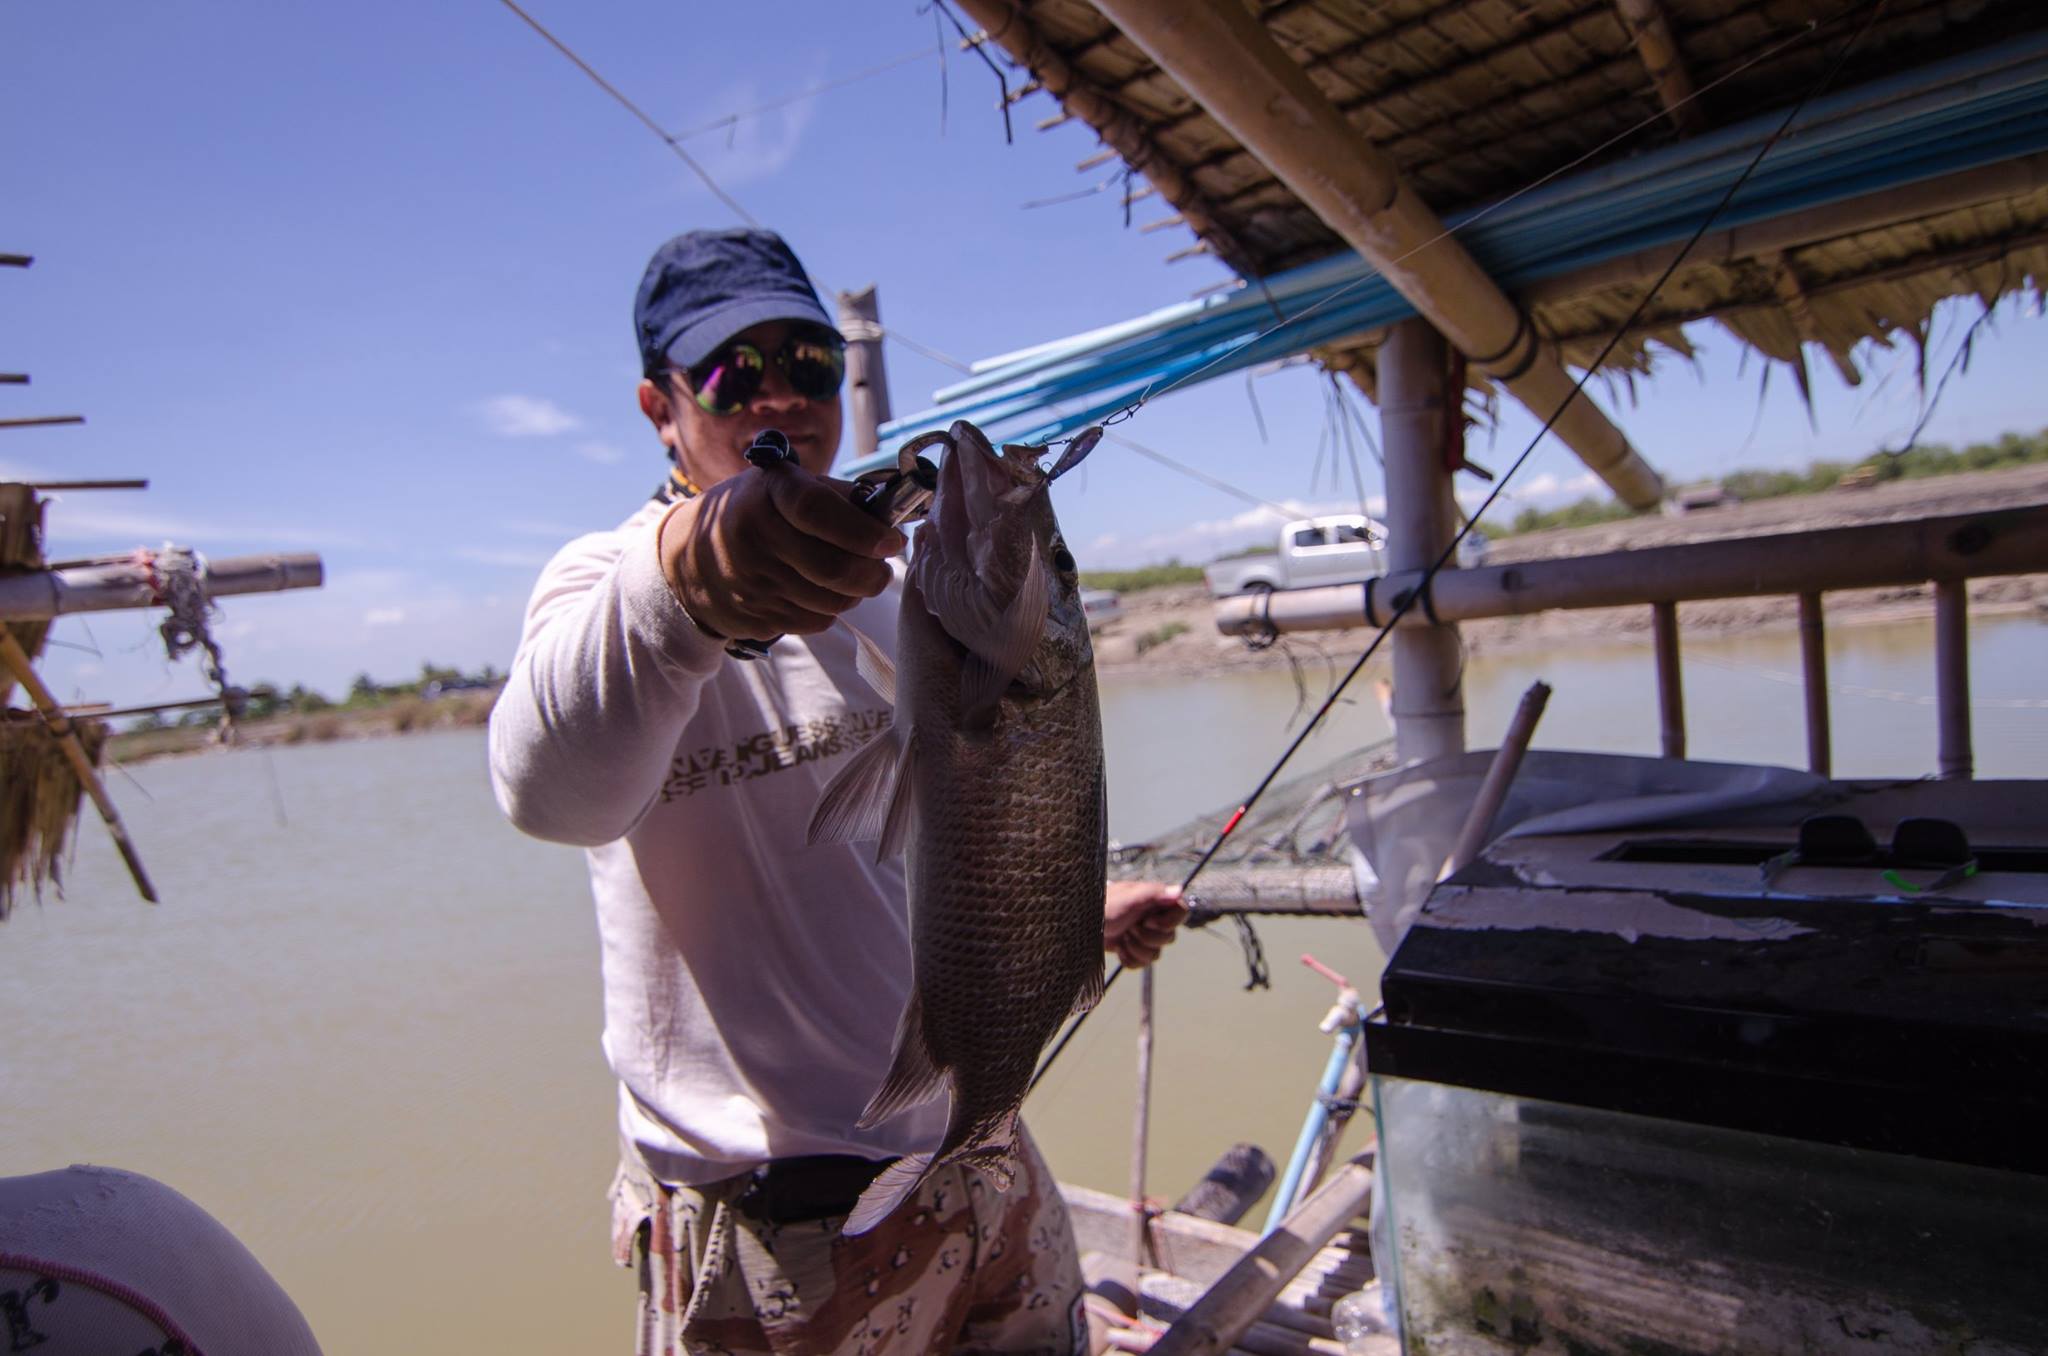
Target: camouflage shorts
962 1267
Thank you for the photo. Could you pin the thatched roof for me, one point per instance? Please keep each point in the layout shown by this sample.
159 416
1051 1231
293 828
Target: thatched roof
39 790
1474 99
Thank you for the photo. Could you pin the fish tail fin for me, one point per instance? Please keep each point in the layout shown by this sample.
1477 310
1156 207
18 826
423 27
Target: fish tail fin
886 1192
913 1076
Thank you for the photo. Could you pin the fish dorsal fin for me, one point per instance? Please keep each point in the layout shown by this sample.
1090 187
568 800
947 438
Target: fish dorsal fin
874 666
913 1076
857 804
1010 643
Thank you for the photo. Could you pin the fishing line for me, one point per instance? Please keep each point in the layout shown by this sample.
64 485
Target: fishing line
812 92
1811 29
1408 600
673 143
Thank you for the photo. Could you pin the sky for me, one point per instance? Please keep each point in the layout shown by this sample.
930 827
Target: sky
357 279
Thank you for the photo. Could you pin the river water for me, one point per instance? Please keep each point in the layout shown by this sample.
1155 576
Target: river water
362 1027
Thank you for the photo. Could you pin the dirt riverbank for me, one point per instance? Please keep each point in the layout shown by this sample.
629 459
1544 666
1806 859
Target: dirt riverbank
403 715
1172 631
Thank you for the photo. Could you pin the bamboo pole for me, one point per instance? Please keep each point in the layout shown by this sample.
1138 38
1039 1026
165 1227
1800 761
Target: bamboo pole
1661 59
867 376
17 662
1215 1322
1224 58
43 421
127 583
16 260
1813 664
88 484
1670 679
1874 555
1141 1131
1010 28
1952 676
1500 775
13 378
1429 702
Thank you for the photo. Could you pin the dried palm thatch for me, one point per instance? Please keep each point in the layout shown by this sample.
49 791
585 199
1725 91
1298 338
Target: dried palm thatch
39 795
39 790
1473 99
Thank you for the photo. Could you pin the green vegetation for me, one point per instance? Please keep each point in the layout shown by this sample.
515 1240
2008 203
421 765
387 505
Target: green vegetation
1916 463
1159 635
439 697
1149 577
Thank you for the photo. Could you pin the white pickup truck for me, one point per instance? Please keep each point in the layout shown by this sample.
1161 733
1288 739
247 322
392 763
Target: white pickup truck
1346 548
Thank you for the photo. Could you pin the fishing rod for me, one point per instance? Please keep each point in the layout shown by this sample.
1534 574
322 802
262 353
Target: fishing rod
1406 603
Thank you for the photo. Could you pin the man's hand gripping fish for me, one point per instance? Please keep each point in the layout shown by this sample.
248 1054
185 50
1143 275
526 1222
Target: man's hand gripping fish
990 780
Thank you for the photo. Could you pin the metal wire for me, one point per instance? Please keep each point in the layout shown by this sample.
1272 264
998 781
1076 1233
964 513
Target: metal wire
1413 596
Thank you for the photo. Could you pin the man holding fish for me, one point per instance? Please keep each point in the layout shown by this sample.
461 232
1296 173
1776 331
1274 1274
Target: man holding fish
819 1086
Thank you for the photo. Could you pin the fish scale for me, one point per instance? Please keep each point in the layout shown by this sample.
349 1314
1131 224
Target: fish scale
991 778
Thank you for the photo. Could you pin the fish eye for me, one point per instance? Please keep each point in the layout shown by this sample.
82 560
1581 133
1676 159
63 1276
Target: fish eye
1062 560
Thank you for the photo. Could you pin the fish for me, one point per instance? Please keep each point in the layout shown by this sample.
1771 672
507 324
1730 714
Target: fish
989 779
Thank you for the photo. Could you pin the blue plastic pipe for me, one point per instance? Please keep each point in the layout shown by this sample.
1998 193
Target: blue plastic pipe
1312 1128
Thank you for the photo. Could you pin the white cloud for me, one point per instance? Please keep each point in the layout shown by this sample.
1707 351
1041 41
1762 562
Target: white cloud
602 453
1200 542
71 522
522 416
752 147
384 616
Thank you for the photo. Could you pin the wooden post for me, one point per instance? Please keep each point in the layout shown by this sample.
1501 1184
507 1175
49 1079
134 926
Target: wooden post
1500 775
1952 676
1813 664
1429 701
1216 1320
17 662
1141 1131
1224 58
1670 682
867 378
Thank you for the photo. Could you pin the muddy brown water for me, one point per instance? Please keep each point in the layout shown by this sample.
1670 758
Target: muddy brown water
362 1028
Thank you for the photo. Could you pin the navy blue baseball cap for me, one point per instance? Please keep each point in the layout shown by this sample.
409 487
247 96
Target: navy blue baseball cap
702 288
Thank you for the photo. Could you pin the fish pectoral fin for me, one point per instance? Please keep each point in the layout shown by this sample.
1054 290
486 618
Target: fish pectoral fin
1004 652
856 804
886 1192
913 1076
872 664
1091 991
901 820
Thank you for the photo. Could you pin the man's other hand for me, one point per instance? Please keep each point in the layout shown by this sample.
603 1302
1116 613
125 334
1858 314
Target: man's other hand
1139 920
774 552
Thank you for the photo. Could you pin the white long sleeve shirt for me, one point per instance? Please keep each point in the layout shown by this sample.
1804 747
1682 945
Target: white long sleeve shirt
752 982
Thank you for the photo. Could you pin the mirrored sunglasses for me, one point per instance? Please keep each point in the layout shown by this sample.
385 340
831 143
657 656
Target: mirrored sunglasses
813 364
